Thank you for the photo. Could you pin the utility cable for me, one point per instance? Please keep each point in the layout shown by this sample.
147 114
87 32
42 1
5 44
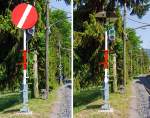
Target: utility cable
138 21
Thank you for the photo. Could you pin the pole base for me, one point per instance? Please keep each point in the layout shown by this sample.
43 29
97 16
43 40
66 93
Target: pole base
25 109
107 111
105 106
24 113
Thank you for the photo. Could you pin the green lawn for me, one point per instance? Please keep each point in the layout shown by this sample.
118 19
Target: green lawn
10 105
81 99
87 104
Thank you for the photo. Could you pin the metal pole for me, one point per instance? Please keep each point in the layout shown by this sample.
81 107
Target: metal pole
25 86
124 49
47 50
137 65
131 65
70 64
60 65
106 105
141 65
114 72
27 59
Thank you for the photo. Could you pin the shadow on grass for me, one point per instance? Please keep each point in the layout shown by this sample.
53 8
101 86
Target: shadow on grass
94 106
8 100
87 96
11 111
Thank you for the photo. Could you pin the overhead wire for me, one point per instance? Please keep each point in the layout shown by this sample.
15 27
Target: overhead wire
140 27
138 21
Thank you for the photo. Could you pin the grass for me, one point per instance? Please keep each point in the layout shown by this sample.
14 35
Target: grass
8 100
80 99
10 105
87 104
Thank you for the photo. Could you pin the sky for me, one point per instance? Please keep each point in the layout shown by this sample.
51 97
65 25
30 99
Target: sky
54 4
144 34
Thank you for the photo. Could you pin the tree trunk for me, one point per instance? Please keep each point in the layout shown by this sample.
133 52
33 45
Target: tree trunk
124 48
47 49
35 68
114 73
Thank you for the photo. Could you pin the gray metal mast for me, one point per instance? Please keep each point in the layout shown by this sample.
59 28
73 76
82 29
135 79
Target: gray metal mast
60 64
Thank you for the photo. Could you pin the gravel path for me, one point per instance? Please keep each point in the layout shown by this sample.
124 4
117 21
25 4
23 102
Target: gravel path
62 107
140 99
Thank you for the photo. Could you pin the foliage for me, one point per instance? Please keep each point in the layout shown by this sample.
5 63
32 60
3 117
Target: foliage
136 7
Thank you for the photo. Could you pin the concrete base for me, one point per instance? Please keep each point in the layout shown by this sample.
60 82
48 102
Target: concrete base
106 111
24 113
25 109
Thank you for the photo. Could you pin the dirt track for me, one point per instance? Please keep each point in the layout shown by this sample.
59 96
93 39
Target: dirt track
140 99
62 106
